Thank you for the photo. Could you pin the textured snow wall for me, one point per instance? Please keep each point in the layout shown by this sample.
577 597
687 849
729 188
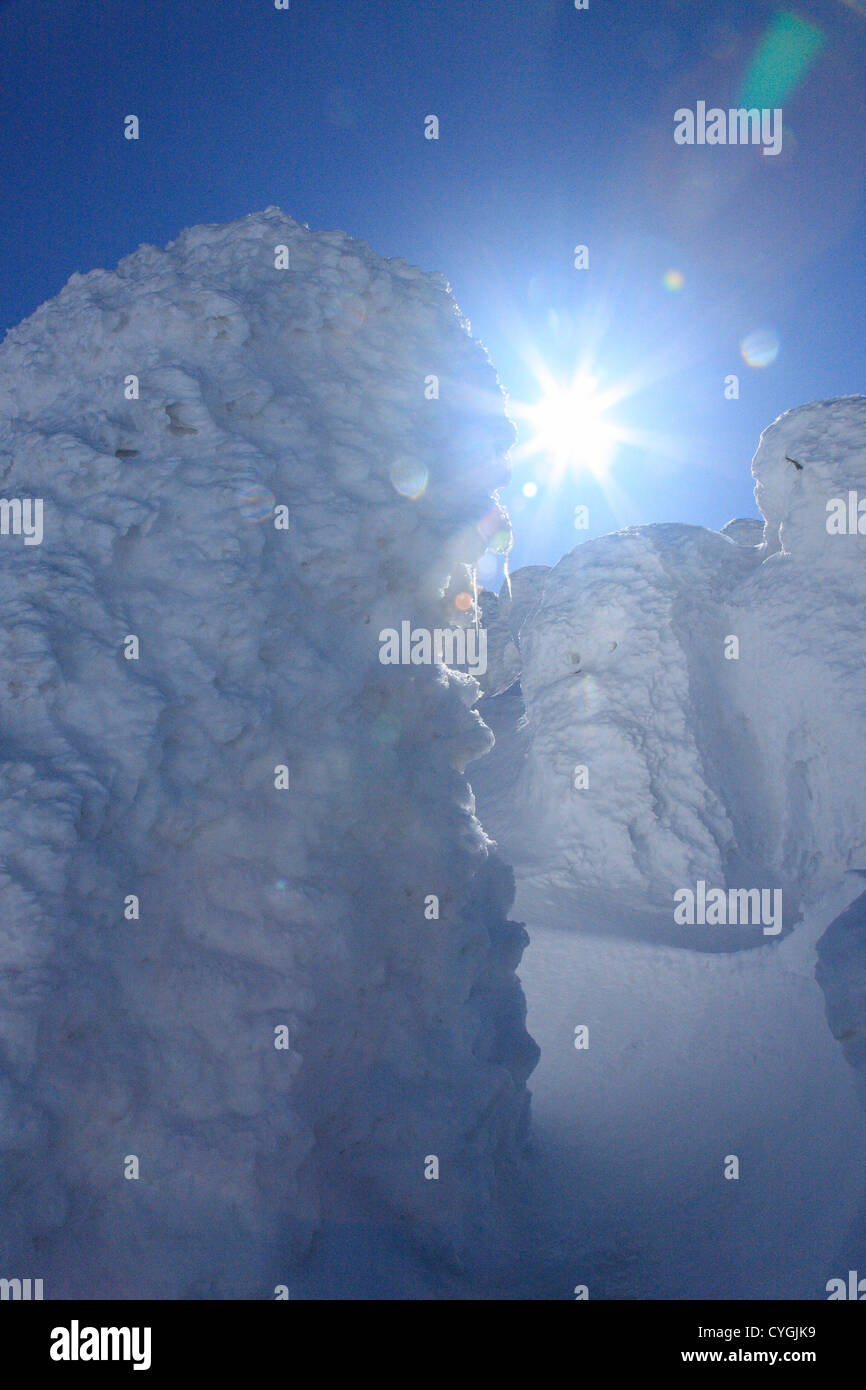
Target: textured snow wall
223 818
657 750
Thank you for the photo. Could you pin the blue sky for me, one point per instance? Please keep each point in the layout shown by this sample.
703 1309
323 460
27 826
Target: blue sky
556 129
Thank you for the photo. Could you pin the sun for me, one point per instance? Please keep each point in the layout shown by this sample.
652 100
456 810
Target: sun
568 424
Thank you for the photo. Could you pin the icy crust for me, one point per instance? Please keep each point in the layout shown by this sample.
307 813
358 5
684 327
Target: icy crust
741 772
259 907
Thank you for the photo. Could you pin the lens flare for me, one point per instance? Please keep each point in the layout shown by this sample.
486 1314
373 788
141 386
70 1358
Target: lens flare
495 530
488 568
409 477
255 502
344 312
785 54
673 279
760 348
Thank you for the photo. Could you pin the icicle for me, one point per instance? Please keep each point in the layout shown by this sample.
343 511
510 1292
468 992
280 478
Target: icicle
507 576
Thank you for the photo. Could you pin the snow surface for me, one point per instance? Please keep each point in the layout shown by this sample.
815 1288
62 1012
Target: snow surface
259 387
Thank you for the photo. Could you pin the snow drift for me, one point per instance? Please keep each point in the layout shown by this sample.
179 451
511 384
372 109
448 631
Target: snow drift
241 470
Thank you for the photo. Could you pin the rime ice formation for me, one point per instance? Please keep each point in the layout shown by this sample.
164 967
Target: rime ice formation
743 773
745 770
260 907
